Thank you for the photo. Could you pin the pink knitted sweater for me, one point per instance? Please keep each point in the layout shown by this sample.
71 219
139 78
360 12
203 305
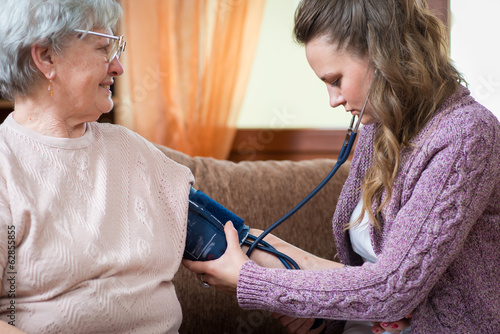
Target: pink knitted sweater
99 224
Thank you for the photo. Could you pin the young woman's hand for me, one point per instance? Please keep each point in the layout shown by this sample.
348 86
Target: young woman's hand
395 327
298 325
222 273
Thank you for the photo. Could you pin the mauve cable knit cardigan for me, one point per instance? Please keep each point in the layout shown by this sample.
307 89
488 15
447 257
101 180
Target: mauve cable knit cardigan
438 252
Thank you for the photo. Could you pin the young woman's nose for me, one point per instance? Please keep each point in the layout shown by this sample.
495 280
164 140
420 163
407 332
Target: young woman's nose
336 99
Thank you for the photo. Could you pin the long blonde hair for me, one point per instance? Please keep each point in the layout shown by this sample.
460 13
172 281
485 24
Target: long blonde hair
408 47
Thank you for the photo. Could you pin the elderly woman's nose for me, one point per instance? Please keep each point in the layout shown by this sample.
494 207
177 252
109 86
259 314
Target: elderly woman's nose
115 67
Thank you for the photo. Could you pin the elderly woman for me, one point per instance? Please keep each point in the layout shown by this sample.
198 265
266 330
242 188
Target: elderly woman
92 215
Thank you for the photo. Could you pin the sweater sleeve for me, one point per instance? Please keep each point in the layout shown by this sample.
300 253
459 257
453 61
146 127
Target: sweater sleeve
437 201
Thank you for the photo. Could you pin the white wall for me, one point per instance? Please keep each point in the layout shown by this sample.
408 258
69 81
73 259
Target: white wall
283 92
475 48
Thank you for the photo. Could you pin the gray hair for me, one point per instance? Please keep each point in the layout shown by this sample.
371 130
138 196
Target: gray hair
24 23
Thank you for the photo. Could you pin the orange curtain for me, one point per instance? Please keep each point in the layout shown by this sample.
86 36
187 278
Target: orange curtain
187 63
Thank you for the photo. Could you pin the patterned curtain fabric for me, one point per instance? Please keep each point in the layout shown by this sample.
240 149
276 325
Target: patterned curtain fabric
187 64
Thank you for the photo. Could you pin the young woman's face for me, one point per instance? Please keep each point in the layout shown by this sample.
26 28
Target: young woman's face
346 76
84 77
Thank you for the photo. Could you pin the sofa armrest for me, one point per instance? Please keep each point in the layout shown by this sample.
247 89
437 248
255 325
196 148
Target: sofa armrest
260 192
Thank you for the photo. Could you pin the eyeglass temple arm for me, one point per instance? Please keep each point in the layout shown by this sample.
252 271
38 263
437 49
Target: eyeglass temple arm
97 34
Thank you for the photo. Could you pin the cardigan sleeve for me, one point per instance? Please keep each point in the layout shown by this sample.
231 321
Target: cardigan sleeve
435 204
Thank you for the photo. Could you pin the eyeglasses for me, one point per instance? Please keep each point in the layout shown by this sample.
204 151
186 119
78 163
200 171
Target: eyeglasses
117 48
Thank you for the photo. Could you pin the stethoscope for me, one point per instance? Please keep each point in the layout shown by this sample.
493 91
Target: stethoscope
259 243
345 151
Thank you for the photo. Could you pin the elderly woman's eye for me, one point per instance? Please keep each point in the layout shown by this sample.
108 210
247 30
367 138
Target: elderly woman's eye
103 47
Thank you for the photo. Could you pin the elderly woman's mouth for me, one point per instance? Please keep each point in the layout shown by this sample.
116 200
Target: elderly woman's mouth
108 87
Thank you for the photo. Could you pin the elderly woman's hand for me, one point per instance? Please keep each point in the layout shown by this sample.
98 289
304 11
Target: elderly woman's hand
222 273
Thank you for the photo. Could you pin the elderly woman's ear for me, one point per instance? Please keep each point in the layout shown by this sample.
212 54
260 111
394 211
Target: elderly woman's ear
43 58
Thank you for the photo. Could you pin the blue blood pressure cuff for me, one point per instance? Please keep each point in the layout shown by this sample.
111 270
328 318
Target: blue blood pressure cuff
205 239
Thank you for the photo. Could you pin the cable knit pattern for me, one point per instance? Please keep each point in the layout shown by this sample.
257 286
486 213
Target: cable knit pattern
100 226
446 199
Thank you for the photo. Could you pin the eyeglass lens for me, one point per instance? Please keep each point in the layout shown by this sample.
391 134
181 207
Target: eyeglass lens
117 49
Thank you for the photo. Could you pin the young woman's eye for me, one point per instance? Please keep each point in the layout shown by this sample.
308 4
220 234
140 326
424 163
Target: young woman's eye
336 83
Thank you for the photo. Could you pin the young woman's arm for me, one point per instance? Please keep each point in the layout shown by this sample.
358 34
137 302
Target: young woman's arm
305 260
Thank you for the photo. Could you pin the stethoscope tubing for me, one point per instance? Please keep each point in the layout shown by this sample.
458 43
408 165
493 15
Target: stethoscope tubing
345 151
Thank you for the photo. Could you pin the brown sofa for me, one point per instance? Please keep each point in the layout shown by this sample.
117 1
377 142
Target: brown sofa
260 192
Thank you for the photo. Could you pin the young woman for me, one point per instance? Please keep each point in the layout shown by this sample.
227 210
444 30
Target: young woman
418 221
